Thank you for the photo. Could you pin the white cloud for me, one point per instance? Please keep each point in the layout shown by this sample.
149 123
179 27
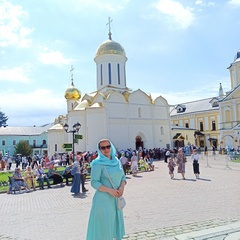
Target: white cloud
201 3
54 58
16 74
12 31
176 11
234 2
208 91
38 107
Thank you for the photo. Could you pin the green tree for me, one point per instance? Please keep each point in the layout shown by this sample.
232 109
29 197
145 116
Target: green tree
23 148
3 119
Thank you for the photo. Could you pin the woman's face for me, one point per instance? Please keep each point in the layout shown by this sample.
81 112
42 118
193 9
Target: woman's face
105 148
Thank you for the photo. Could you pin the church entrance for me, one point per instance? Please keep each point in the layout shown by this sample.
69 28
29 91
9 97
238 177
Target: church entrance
138 142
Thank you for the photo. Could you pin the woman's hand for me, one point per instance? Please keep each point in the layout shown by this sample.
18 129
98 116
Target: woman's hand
121 190
113 192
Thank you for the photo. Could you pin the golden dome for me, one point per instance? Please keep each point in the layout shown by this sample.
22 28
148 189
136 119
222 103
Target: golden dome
110 47
72 93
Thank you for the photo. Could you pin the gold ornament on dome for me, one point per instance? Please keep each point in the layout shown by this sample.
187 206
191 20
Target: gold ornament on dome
72 93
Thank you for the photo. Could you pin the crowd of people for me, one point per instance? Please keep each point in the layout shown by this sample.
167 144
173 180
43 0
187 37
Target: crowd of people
109 168
34 168
37 172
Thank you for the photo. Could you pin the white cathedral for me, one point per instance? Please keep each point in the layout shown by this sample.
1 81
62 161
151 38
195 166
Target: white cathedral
129 118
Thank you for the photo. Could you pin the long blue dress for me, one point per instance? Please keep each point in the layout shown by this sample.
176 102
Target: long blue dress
106 221
77 179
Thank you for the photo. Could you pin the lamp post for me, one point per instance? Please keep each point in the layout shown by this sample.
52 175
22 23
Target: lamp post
75 128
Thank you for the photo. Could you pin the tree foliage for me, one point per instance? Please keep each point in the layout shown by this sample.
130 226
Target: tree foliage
23 148
3 119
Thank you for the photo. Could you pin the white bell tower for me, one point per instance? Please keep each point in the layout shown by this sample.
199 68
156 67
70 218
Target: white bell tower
111 61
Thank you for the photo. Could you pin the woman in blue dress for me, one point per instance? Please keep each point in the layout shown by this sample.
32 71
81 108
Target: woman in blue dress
18 180
75 171
106 220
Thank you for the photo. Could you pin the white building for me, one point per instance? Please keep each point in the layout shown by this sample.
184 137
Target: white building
128 118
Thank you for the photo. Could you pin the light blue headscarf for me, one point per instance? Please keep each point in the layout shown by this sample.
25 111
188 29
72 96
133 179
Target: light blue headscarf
103 160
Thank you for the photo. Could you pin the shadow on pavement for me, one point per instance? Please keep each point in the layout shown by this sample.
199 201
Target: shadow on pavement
80 195
190 180
204 179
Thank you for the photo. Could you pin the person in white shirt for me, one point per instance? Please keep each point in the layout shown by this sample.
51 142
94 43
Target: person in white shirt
134 164
41 177
195 159
24 162
167 155
9 163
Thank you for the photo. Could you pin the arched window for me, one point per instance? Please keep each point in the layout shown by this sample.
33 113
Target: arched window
139 112
101 74
162 131
109 74
118 70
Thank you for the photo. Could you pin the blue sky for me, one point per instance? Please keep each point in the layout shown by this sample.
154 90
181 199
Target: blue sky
177 49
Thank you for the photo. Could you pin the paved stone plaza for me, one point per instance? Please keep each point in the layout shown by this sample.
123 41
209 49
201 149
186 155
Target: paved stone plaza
157 207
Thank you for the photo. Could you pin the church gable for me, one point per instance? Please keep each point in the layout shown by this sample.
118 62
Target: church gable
139 97
100 97
88 98
116 97
160 101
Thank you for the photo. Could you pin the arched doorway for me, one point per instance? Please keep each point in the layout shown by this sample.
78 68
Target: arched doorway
138 142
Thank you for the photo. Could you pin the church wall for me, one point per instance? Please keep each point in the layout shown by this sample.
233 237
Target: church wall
119 133
56 138
95 127
123 132
117 110
161 138
143 128
139 111
160 112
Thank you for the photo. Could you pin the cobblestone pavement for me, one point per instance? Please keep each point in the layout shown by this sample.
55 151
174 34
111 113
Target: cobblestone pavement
157 207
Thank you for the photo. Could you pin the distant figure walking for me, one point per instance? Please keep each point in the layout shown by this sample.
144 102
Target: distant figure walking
181 161
134 165
195 160
171 165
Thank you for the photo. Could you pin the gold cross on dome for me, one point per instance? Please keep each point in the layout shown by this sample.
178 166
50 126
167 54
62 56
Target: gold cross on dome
71 70
109 28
